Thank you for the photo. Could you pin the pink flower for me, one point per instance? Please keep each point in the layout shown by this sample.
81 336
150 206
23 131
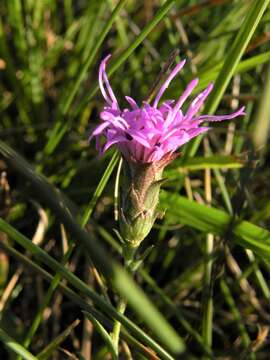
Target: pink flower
146 133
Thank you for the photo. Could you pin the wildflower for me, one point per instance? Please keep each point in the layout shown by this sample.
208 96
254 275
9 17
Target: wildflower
145 134
148 137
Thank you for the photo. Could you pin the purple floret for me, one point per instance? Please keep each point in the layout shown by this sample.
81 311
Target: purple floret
147 133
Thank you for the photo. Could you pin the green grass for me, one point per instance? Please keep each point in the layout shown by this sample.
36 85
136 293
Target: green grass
203 288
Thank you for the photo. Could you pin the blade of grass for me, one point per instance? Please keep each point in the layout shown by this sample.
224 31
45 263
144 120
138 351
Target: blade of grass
68 12
57 278
208 162
242 67
65 105
115 273
232 59
261 126
15 347
16 20
66 102
235 53
48 350
236 314
207 295
106 337
92 22
10 71
99 189
59 130
259 275
125 55
74 297
130 289
47 297
209 219
176 310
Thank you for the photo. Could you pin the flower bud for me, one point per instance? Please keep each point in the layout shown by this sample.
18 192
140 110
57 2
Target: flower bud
139 197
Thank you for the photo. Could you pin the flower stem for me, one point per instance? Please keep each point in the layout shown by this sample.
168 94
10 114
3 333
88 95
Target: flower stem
128 254
117 325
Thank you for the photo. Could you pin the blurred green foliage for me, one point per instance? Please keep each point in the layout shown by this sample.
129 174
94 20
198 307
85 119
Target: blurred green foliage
208 271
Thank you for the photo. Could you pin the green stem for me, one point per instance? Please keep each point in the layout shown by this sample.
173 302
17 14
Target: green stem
117 325
207 321
128 254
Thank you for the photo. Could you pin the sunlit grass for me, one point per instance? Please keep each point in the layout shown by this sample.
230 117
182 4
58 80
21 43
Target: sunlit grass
203 288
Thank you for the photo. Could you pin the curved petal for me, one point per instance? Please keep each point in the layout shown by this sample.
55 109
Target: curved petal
165 85
111 99
198 102
188 135
100 80
116 121
112 141
106 114
132 102
108 86
181 100
197 131
98 130
239 112
139 139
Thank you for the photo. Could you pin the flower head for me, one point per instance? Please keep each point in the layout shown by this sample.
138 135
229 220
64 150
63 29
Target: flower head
148 133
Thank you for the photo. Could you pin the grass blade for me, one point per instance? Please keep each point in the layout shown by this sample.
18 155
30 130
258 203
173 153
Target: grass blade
64 106
60 130
75 298
48 351
211 220
233 57
14 346
129 290
116 274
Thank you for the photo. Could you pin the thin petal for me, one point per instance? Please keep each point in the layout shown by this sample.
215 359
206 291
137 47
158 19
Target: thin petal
110 99
106 115
100 80
198 102
132 103
197 131
165 85
166 106
182 99
140 139
239 112
99 129
193 133
170 134
115 140
116 121
106 80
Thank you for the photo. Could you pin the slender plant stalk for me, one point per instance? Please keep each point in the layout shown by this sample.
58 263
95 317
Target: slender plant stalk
59 130
119 278
84 288
15 347
57 278
121 308
236 314
253 17
207 321
75 298
129 257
